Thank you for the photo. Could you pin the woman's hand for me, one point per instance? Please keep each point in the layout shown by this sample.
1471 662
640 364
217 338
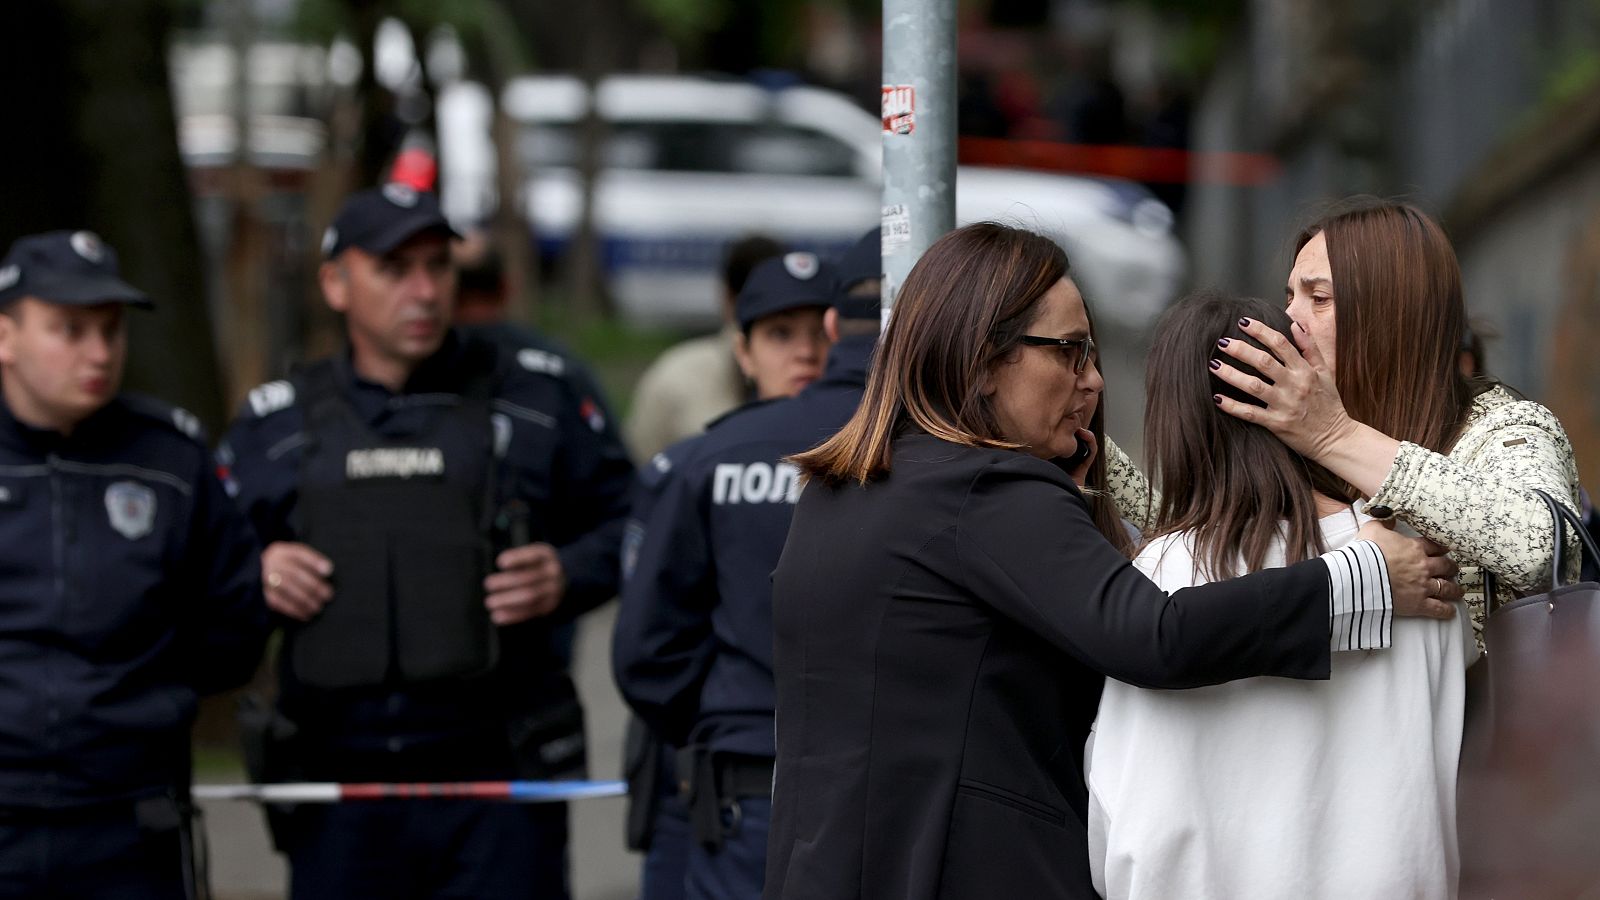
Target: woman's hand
1422 578
1088 449
1303 407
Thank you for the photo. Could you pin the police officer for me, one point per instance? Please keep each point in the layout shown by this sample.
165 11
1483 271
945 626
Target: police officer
779 348
693 649
435 508
698 380
131 586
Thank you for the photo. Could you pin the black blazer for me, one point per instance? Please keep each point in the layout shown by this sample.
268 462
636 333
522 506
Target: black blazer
940 640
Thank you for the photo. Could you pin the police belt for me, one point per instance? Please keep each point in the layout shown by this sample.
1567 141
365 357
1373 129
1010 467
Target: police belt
716 784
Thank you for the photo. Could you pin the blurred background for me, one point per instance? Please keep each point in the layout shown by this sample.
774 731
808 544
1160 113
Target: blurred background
607 150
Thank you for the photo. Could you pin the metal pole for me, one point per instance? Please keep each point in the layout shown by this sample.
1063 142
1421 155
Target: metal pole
919 133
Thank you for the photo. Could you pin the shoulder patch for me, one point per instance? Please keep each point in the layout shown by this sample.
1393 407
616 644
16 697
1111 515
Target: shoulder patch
543 361
187 422
178 419
268 398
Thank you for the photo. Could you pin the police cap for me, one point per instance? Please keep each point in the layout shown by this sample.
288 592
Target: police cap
791 281
862 262
378 220
74 268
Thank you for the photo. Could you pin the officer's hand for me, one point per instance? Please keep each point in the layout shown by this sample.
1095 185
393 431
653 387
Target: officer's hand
529 584
295 579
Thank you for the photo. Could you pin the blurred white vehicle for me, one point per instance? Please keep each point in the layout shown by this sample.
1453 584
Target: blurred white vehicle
692 163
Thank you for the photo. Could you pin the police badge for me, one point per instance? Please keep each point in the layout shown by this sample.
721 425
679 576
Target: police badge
131 507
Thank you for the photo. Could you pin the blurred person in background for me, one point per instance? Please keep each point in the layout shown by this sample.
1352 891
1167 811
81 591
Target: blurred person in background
693 647
435 507
131 584
699 379
1268 787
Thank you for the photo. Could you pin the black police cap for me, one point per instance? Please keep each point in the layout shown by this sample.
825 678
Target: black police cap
791 281
862 262
378 220
73 268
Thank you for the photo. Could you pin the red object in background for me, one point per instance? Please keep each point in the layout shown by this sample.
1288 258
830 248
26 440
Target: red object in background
1154 165
416 168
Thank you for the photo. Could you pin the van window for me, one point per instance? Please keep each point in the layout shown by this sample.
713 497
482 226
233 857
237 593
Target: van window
746 148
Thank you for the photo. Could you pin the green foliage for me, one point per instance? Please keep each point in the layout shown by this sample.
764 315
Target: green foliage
687 20
1576 74
323 20
1207 27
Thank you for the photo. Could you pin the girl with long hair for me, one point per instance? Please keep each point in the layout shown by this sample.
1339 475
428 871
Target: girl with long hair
1268 787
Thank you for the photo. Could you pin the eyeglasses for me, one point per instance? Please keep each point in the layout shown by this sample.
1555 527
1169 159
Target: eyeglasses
1084 347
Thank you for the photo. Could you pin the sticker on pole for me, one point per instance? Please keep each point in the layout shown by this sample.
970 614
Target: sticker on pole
899 109
895 231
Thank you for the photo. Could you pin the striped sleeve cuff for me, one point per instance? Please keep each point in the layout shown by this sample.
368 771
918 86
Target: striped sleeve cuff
1360 606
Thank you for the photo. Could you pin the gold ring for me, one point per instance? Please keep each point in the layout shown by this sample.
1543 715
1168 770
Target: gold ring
274 580
1438 589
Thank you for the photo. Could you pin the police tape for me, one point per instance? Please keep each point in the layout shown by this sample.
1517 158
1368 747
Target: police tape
334 792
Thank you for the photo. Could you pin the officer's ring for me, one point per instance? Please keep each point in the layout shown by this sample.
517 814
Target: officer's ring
274 580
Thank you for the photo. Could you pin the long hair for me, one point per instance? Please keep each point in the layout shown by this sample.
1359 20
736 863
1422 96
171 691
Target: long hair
1232 485
1400 315
959 313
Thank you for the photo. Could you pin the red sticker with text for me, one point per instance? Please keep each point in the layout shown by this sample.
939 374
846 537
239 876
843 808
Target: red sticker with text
899 109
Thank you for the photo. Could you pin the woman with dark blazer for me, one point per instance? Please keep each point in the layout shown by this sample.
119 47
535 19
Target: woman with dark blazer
950 600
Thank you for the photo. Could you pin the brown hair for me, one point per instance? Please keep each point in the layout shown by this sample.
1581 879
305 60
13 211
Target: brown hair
1232 485
959 313
1400 315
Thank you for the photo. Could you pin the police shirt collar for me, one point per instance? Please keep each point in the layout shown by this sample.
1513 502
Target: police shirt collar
20 434
432 374
849 359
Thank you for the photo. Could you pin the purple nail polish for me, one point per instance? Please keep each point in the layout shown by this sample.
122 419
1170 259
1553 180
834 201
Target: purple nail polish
1216 364
1222 342
1244 323
1217 399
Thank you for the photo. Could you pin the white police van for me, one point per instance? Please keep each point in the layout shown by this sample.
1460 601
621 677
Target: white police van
690 163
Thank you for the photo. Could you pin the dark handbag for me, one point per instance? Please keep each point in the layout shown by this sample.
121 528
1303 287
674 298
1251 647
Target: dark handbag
1529 787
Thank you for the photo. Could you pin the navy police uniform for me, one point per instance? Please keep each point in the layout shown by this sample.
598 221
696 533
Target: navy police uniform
131 587
402 677
658 813
693 648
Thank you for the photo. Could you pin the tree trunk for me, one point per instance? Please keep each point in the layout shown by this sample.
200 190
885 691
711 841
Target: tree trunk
92 143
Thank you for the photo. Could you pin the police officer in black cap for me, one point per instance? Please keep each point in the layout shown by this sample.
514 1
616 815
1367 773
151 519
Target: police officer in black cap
693 648
131 586
435 507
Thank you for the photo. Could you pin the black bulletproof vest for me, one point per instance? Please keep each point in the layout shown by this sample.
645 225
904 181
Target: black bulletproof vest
405 522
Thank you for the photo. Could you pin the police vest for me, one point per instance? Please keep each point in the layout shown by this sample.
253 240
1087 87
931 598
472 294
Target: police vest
405 521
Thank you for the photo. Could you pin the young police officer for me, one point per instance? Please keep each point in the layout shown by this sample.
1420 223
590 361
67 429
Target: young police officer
434 508
693 648
130 585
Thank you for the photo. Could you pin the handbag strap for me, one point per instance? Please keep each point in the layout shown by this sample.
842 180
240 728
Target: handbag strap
1587 548
1561 517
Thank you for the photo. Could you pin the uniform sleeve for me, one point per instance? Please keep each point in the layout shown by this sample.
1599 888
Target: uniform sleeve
1028 548
258 462
1483 508
663 646
228 624
1136 500
592 479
